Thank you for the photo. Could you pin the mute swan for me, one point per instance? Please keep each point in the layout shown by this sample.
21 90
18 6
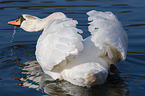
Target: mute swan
63 54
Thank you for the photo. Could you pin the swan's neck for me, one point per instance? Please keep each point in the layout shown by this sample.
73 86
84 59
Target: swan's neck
57 15
37 24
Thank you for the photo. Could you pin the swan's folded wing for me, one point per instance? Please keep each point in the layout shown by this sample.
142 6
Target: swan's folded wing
108 34
58 44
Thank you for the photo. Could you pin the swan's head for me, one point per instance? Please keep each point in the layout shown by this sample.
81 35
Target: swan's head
26 22
33 24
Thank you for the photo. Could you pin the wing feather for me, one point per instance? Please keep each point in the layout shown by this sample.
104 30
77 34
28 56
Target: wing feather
107 33
59 41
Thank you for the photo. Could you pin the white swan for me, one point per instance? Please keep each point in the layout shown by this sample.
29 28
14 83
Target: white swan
63 54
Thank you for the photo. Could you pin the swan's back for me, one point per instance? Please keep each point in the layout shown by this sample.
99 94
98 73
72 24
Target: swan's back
108 34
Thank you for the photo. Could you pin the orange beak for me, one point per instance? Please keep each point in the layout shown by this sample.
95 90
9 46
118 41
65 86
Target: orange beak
16 22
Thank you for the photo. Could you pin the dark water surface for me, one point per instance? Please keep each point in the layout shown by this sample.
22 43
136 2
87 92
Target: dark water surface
19 77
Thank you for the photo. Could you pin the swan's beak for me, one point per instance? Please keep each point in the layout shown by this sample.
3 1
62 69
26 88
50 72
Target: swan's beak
15 22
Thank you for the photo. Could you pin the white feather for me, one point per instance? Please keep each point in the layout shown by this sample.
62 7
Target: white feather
107 33
63 54
58 41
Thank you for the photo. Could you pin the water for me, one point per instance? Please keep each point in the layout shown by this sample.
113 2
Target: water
13 33
19 78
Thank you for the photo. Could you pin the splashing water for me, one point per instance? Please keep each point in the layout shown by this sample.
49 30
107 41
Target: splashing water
13 34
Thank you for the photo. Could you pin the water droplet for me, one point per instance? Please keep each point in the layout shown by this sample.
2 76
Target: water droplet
13 34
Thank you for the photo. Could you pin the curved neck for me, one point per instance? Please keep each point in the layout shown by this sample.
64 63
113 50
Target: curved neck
37 24
57 15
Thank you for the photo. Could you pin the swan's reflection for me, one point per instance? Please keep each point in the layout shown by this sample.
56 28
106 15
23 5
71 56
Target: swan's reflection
33 77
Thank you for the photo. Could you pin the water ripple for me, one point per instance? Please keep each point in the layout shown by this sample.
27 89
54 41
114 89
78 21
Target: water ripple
125 11
142 54
135 25
38 7
120 5
135 78
3 2
22 41
48 1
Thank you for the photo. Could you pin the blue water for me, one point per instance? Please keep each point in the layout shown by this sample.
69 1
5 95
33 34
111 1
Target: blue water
18 78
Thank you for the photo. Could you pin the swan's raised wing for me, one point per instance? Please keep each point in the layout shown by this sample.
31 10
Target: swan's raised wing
108 34
58 44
